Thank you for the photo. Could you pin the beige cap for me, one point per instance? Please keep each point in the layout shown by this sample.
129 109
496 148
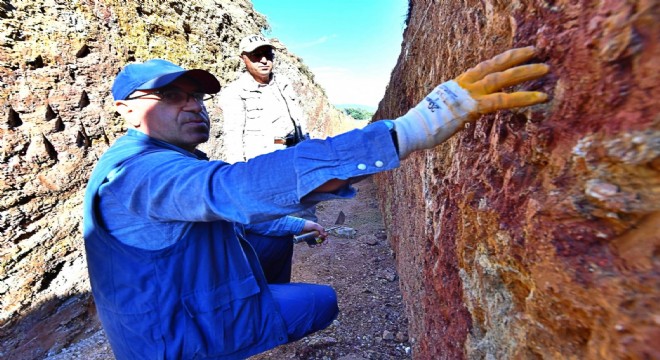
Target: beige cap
251 42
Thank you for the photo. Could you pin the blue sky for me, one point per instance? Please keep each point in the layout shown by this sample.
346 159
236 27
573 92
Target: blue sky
351 46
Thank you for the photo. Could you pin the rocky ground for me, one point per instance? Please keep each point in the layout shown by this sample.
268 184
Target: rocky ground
372 323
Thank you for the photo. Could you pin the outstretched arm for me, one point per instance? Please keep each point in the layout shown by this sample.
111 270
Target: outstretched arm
449 106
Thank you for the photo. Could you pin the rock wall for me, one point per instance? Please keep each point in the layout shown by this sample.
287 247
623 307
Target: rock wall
57 62
533 233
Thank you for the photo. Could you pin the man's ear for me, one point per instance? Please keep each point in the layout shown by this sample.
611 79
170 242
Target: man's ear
126 111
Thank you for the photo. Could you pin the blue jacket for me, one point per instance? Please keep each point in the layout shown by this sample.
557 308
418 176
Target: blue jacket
201 292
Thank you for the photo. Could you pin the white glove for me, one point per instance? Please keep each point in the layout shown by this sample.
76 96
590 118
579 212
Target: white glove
453 103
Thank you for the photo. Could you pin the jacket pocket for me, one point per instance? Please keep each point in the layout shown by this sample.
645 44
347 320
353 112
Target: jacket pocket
134 335
253 106
222 320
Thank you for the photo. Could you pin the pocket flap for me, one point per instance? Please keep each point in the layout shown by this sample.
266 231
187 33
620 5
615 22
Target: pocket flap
208 300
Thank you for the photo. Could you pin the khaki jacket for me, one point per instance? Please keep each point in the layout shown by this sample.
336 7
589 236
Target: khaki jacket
250 124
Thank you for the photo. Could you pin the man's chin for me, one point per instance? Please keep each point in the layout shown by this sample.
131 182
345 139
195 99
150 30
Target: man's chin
202 138
200 134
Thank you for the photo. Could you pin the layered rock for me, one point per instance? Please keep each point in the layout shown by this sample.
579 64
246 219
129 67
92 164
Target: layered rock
533 233
57 63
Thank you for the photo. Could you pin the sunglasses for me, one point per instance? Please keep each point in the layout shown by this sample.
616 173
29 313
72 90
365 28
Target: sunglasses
175 96
260 54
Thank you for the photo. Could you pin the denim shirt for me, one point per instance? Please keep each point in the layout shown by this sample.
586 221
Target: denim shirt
203 295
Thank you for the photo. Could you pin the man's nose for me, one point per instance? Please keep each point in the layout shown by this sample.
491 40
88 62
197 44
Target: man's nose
196 105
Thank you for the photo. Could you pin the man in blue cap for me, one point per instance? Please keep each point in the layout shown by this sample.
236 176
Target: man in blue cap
161 81
171 273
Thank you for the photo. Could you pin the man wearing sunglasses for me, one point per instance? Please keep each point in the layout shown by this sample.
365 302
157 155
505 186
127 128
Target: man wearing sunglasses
262 114
263 109
171 272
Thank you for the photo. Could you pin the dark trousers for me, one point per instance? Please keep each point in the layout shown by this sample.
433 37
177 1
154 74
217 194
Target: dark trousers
275 255
305 308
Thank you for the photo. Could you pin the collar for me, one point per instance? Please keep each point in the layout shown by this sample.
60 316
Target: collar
250 84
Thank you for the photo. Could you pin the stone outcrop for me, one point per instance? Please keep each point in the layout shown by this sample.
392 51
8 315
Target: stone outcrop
533 233
57 63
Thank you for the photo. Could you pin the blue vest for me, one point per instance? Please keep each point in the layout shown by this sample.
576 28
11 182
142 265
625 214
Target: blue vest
203 297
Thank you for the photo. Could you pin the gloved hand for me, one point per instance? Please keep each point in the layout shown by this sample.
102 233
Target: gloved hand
453 103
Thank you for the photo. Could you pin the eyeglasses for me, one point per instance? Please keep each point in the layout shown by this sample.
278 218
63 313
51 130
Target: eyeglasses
176 97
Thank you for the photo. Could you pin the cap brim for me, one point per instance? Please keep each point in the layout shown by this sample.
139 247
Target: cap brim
208 83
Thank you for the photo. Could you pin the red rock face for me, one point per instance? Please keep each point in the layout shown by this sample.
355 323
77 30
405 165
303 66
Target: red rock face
533 233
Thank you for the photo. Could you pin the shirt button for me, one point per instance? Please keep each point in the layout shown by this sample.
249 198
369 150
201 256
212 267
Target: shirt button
379 163
362 167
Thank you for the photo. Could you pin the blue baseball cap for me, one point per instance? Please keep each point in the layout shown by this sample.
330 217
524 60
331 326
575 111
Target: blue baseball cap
156 73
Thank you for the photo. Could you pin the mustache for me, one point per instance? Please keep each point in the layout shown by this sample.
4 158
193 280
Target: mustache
203 116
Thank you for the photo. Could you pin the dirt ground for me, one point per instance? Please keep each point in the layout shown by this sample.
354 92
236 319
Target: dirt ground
372 323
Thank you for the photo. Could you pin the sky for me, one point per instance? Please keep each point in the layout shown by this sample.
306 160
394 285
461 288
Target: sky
351 46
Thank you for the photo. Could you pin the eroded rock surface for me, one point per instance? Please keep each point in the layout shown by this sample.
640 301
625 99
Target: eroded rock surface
533 233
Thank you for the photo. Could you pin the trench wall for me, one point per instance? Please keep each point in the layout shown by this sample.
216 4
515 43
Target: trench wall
533 233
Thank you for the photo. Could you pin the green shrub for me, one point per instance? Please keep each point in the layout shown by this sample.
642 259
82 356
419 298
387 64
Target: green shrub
358 114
